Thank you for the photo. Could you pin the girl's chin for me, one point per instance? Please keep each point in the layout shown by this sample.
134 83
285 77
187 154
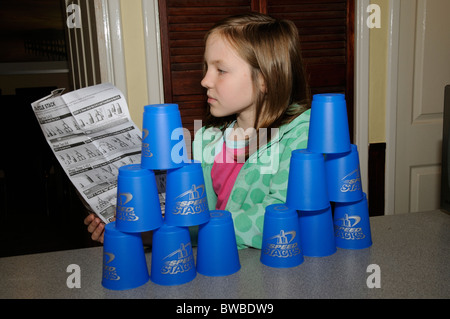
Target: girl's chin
216 112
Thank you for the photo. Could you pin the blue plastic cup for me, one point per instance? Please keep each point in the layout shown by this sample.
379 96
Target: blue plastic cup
281 246
352 225
344 176
138 208
172 258
217 253
317 233
307 184
186 201
163 144
328 128
124 263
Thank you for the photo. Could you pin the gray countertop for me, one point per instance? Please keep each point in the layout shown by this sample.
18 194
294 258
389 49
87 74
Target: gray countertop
412 251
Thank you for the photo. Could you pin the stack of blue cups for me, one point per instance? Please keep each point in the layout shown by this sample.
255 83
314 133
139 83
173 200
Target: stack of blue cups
164 148
138 210
328 171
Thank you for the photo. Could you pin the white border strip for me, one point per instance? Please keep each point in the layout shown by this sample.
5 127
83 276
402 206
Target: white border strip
361 107
155 83
391 106
110 42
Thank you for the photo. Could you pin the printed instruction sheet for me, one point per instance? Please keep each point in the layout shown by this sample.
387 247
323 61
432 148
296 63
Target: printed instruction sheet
91 133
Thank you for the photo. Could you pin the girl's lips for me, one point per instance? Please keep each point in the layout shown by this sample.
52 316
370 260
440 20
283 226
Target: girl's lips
211 100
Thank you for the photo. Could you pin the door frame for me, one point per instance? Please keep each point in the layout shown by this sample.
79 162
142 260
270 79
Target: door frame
391 105
361 105
362 56
110 48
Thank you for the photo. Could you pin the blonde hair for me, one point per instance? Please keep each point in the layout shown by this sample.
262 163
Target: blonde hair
272 49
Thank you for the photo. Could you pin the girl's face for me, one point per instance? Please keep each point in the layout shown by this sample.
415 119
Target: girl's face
229 82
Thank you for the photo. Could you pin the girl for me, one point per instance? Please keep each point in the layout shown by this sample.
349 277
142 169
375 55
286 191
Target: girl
258 114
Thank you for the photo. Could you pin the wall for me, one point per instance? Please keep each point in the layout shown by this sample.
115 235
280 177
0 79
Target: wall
135 63
378 76
142 55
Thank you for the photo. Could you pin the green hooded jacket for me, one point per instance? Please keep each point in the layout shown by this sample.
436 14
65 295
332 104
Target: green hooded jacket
262 181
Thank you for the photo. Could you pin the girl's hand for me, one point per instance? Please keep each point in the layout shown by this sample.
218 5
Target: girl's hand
96 227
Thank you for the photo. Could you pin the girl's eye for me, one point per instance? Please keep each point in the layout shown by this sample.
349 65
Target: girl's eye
221 71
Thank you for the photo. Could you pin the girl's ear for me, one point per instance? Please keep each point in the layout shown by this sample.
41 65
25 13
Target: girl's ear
262 83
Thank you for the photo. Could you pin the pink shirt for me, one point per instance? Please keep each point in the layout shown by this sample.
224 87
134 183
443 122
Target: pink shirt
225 171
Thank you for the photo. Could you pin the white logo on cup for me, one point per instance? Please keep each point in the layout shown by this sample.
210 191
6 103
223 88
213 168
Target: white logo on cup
146 150
146 146
193 201
283 247
351 182
109 272
124 198
123 212
181 260
144 134
346 229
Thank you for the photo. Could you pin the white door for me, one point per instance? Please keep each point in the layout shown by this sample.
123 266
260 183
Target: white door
423 72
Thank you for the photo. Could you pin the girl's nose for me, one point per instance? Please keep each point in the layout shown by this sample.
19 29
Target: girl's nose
206 81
